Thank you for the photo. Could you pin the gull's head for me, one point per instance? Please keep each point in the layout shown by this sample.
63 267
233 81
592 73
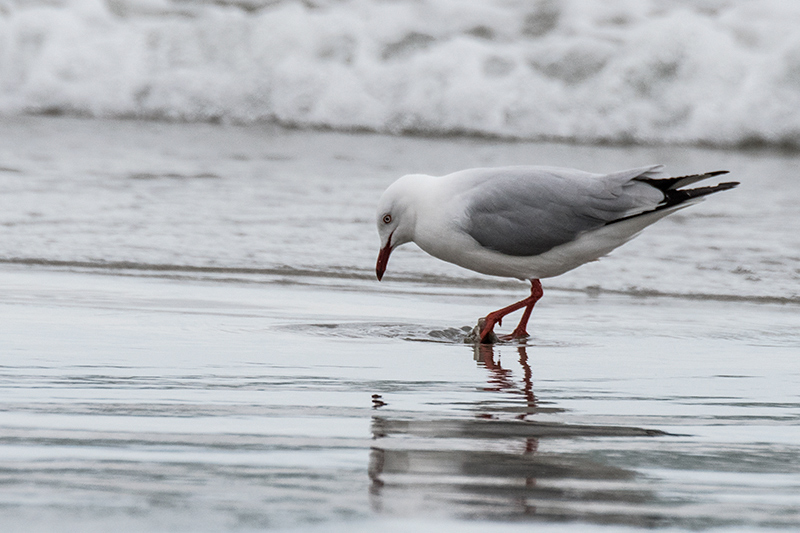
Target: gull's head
397 217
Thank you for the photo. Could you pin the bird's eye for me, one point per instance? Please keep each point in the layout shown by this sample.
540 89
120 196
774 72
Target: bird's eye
387 218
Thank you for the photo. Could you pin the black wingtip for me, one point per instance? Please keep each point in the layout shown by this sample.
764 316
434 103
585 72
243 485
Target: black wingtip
704 175
673 197
672 184
678 196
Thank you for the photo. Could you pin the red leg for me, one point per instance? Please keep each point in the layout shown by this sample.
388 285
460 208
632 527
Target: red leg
496 317
536 293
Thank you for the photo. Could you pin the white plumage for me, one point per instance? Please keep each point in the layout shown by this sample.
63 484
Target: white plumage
527 222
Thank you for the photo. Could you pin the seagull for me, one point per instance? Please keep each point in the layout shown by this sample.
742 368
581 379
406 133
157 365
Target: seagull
528 222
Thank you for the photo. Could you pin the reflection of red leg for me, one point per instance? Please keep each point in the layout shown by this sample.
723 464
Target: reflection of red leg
496 317
527 380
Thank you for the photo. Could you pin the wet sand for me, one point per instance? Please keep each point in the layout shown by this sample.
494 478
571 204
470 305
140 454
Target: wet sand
155 401
193 339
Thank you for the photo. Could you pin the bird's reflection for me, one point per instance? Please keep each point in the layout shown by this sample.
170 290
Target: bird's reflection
490 465
502 380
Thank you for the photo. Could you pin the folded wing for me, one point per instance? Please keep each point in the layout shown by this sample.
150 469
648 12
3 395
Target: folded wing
526 211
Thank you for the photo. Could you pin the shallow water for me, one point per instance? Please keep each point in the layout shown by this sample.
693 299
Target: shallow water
238 202
193 340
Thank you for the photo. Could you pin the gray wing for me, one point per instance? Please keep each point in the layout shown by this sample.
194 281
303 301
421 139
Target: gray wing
525 211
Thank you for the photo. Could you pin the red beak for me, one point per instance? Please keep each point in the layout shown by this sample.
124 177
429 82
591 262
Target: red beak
383 258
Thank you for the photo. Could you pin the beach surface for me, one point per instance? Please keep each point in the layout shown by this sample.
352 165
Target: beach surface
193 340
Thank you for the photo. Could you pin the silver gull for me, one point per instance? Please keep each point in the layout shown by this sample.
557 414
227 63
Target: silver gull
528 222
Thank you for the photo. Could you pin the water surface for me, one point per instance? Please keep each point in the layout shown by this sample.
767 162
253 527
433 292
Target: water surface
193 340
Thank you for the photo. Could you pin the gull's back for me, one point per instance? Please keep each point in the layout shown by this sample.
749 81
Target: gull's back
527 211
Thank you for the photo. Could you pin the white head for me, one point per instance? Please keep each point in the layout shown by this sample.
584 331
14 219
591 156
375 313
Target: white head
397 216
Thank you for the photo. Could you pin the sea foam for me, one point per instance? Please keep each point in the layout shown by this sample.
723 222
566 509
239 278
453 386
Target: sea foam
718 72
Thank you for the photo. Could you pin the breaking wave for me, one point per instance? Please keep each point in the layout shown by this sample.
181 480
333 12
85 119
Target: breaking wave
718 72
